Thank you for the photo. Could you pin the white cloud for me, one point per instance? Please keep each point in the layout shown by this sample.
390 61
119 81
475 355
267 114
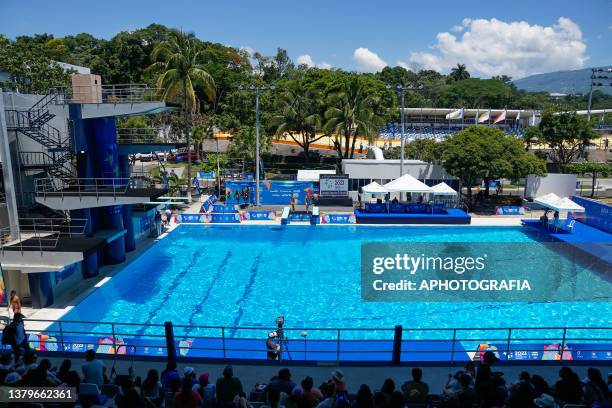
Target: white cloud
247 49
610 27
307 60
368 61
494 47
405 65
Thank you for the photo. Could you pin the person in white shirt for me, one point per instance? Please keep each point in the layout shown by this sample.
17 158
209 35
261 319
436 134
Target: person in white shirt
93 370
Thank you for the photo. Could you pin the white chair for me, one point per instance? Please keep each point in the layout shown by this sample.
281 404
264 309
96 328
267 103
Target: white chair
569 226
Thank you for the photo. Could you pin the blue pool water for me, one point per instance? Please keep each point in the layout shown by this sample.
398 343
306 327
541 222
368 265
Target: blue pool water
238 276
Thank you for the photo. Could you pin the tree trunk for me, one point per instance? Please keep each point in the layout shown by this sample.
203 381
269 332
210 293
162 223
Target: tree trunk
188 141
306 151
593 184
353 145
347 141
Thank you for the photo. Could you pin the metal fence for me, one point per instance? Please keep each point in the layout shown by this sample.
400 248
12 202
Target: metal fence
116 93
97 187
138 135
392 345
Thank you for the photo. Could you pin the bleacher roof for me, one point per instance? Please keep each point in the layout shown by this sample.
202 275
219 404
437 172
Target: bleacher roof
511 113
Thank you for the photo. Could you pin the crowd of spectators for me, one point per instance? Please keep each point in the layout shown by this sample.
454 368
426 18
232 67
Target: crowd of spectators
475 386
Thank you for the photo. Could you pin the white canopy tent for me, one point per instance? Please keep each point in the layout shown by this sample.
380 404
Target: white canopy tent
407 184
374 188
557 203
547 200
443 189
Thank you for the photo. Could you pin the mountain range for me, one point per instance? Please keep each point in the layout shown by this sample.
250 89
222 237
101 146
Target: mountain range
567 82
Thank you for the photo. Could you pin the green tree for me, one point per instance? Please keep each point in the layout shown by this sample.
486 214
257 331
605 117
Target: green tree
421 149
531 135
459 73
593 168
485 153
299 116
242 144
566 134
179 61
351 113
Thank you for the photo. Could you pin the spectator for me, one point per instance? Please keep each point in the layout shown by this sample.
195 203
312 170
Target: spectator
151 388
5 366
64 369
189 372
364 398
453 386
73 380
380 401
206 391
545 401
416 391
274 400
499 392
291 401
521 394
595 389
41 376
328 395
312 395
13 379
610 382
467 397
186 397
540 386
227 388
483 384
94 371
29 363
387 388
339 382
169 375
281 383
397 400
568 390
18 338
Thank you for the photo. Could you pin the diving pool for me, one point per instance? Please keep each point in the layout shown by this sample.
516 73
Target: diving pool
245 276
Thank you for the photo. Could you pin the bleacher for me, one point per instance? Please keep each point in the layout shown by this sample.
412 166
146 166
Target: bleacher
437 133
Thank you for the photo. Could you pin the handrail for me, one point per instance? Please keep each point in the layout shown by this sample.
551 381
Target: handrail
102 186
333 344
115 93
138 135
41 233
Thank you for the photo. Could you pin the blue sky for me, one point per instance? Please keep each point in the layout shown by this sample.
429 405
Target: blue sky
516 38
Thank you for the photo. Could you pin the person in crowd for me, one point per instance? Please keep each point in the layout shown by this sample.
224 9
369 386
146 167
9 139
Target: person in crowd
187 397
610 382
5 362
397 400
40 376
416 391
595 389
380 401
13 379
388 388
328 400
292 400
206 391
18 338
452 386
364 398
227 388
273 400
168 215
311 396
483 383
131 399
64 369
190 373
470 369
568 390
395 200
499 392
521 394
540 386
14 302
94 371
466 397
73 380
556 222
545 401
339 381
158 222
151 388
169 374
281 383
29 363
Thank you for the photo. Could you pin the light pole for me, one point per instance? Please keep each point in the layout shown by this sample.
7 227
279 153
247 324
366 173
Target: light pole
257 89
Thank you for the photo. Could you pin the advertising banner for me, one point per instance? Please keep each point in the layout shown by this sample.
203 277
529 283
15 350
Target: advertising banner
333 185
270 191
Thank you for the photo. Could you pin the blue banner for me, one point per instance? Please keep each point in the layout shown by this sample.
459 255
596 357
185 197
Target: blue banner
207 175
598 215
348 218
270 192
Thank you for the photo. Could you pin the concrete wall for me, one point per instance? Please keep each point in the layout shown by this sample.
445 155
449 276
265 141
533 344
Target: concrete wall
563 185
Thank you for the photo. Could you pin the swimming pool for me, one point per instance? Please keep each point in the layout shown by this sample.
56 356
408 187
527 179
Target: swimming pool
245 276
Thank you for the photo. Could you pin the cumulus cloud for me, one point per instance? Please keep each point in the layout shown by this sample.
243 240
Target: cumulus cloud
368 60
307 60
250 51
495 47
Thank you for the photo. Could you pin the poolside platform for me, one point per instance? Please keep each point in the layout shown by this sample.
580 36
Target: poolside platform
584 237
451 216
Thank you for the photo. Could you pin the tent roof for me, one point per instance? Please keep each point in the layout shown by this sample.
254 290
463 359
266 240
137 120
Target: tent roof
443 189
374 188
407 184
546 200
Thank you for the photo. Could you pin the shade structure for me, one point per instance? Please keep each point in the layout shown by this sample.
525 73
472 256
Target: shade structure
443 189
374 188
407 184
547 200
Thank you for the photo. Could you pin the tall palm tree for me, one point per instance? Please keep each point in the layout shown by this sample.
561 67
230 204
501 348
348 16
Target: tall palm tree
352 113
179 60
299 117
459 72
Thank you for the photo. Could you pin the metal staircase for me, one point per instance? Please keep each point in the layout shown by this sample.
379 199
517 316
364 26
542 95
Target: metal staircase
34 123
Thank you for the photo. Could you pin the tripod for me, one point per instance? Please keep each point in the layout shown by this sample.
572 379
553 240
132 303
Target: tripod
282 342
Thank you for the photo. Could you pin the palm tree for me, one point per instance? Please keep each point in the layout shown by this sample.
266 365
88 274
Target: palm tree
352 114
299 117
459 72
179 61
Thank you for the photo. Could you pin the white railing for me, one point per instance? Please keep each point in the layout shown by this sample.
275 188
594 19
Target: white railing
41 233
119 93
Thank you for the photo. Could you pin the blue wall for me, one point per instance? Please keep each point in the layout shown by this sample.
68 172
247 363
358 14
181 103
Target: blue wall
270 191
598 215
